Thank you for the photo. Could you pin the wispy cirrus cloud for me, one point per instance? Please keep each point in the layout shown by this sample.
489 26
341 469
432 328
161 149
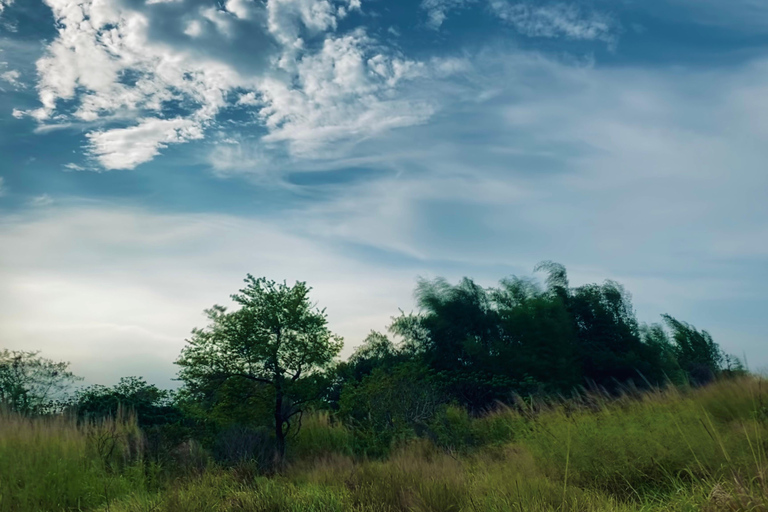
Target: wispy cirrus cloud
569 20
560 19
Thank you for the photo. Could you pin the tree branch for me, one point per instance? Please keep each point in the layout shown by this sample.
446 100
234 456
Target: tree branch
250 377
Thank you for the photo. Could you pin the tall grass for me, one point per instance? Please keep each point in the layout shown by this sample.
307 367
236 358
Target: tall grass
668 450
52 463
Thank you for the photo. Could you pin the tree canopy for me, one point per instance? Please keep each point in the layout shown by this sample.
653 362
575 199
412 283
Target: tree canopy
277 342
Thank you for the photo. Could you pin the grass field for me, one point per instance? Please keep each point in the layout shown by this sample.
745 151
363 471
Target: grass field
676 450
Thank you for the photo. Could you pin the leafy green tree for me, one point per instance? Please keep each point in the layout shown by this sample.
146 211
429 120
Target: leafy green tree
611 347
29 383
655 336
538 344
276 340
697 353
456 335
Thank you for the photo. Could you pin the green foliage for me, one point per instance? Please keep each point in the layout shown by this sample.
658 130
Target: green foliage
276 344
672 450
390 406
467 411
152 406
485 345
164 424
697 353
30 383
453 429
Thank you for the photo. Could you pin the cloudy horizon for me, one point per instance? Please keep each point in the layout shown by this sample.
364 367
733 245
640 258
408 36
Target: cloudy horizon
156 151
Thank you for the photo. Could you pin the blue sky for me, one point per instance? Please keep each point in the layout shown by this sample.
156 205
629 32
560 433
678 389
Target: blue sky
155 151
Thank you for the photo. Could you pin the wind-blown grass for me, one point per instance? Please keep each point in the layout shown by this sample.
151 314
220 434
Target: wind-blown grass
52 463
668 450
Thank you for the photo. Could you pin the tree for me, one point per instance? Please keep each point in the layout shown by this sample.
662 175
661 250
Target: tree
152 406
697 353
612 349
277 339
29 383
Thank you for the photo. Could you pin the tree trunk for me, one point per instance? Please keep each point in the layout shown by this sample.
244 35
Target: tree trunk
279 421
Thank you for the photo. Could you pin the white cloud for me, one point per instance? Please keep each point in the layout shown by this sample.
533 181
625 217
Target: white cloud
287 18
194 28
98 43
342 93
4 4
220 19
437 10
555 20
125 148
243 9
345 89
12 77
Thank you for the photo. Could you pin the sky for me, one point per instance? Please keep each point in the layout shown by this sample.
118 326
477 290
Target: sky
154 152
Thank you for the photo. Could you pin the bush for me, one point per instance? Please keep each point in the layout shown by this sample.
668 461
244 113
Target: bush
238 445
320 435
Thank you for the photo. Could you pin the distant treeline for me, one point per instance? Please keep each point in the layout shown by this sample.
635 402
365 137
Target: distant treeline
249 376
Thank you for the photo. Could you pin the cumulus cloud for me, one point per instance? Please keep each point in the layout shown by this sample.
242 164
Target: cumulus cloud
287 19
4 4
243 9
109 62
105 60
343 89
125 148
555 20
